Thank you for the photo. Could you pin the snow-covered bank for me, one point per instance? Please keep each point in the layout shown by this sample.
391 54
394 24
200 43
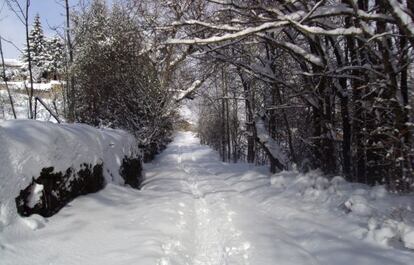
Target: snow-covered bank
194 209
385 218
30 147
22 85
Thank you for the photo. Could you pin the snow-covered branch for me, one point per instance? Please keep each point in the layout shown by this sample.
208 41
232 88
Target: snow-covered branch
187 92
404 19
229 36
271 147
333 32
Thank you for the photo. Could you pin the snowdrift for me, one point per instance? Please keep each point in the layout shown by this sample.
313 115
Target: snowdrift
44 165
388 218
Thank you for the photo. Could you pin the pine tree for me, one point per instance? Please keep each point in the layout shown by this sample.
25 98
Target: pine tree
55 56
37 45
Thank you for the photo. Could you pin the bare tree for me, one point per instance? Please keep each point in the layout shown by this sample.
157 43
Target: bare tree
5 79
340 65
22 13
70 77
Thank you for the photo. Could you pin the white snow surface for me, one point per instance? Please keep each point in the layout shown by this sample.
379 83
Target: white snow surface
270 143
20 85
196 210
36 195
27 146
21 106
403 15
186 92
13 62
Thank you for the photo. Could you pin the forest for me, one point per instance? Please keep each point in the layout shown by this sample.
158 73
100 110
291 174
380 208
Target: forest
313 84
325 83
289 84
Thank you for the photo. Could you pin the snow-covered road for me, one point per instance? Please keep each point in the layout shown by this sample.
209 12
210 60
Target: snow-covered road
195 210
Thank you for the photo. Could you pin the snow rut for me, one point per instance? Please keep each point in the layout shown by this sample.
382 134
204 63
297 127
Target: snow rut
209 246
216 240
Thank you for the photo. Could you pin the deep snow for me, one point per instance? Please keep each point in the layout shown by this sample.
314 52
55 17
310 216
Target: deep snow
196 210
27 146
21 107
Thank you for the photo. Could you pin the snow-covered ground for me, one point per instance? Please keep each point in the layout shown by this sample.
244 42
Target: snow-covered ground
13 62
21 105
196 210
20 85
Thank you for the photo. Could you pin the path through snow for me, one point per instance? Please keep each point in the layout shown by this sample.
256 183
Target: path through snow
194 210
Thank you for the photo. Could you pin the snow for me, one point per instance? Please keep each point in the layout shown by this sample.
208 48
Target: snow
12 62
229 36
208 25
358 205
20 85
36 195
301 52
269 142
408 238
188 112
338 9
332 32
21 106
184 93
34 222
383 218
196 210
399 10
27 146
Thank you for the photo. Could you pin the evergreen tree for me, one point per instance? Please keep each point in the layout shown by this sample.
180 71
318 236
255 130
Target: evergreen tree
37 45
54 57
117 85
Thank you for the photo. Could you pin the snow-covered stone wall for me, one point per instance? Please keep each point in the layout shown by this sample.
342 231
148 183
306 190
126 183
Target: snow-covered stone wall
45 165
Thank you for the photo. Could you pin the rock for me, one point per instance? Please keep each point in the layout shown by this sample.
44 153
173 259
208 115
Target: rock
131 171
58 189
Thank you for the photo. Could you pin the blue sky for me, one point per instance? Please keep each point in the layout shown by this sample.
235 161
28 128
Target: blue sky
51 13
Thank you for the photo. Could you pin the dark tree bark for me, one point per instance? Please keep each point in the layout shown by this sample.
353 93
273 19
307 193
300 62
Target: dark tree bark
29 58
5 79
251 150
341 59
70 80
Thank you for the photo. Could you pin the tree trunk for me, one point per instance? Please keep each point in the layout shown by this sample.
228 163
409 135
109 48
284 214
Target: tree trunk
29 58
251 150
227 117
346 141
71 79
5 80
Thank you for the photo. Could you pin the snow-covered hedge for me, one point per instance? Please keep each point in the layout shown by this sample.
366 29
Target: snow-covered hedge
388 218
40 160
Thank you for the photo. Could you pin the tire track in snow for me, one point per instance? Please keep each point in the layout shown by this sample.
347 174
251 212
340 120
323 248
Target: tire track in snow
217 241
215 233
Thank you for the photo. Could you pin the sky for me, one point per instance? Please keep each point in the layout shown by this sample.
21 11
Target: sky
51 14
